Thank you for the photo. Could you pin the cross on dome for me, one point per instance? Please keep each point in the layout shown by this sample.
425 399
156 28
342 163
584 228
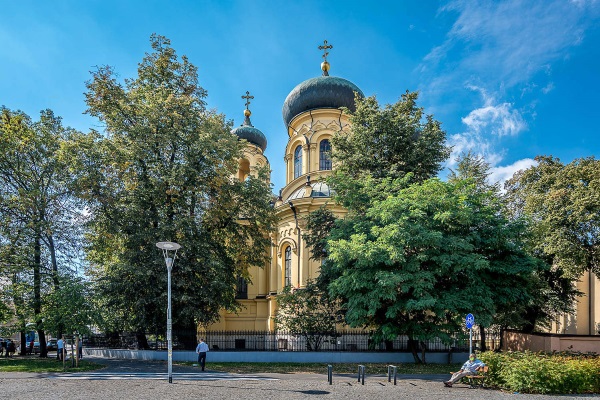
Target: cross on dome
247 97
325 64
325 47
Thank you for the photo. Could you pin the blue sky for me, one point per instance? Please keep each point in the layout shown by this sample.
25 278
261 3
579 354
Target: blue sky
509 80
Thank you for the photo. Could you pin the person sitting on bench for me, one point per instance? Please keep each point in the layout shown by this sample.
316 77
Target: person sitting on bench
468 368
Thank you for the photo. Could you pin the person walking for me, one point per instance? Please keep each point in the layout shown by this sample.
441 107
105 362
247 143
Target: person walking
202 349
10 348
60 347
80 348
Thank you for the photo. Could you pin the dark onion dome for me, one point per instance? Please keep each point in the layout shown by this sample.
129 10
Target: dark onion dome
320 92
319 189
250 133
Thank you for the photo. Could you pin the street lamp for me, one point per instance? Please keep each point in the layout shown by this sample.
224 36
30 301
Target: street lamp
167 247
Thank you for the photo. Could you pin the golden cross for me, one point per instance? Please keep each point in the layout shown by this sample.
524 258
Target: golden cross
325 47
247 97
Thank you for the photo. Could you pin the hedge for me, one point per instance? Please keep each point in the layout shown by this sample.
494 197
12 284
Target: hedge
546 373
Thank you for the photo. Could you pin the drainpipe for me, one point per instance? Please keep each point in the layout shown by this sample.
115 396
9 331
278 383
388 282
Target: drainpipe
591 295
298 229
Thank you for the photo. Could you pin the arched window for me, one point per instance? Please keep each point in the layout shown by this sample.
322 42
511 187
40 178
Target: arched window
288 266
325 155
298 162
241 288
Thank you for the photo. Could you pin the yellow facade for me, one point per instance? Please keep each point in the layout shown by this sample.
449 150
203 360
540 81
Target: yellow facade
297 199
305 191
586 318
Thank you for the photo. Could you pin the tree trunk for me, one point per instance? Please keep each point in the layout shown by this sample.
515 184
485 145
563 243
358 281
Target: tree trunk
185 332
52 249
142 341
482 344
423 351
43 347
413 346
23 345
37 292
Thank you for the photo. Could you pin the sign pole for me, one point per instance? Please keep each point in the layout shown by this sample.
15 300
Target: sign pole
469 322
470 341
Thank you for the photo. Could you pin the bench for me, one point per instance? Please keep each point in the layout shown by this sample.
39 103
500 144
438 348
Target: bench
479 378
476 380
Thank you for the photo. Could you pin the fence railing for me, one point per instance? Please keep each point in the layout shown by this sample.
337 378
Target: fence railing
288 341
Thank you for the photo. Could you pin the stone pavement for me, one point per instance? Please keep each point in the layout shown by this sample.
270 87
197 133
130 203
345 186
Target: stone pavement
139 379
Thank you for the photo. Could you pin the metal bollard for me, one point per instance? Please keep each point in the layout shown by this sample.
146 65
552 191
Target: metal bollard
392 369
330 374
361 371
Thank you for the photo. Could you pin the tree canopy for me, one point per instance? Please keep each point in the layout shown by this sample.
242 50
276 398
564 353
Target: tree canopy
309 312
420 259
562 204
390 141
163 170
40 218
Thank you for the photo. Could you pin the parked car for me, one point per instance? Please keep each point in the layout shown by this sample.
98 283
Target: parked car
51 345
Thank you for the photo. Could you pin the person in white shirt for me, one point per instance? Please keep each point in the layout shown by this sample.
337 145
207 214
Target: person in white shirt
468 368
202 349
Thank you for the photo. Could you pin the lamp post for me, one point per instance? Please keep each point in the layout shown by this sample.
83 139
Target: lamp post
167 247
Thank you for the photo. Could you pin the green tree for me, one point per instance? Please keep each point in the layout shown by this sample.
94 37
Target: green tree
561 203
422 256
70 307
163 171
308 312
549 294
318 225
390 141
39 216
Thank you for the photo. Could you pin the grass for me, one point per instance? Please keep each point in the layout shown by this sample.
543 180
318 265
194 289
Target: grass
319 368
37 364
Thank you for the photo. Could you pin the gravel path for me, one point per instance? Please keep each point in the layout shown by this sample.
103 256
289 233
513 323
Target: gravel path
119 381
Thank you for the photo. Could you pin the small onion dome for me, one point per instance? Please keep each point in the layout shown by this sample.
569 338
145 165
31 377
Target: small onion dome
319 189
320 92
250 133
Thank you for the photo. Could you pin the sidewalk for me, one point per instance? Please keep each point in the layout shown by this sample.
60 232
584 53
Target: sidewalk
139 379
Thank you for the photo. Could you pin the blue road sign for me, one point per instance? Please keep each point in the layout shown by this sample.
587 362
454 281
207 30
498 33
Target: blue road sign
470 321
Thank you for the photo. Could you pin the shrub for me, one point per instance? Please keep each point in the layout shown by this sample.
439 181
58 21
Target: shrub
558 373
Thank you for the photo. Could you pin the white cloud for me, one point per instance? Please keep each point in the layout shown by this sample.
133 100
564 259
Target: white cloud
502 174
510 41
548 88
472 142
584 3
500 120
505 44
508 48
485 126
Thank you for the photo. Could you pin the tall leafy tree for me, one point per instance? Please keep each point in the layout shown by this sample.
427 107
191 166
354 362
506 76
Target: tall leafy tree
390 141
39 216
163 170
419 259
550 294
562 203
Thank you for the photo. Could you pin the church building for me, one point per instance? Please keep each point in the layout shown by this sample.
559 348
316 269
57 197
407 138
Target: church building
312 115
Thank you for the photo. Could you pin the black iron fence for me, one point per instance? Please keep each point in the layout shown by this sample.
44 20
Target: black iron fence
289 341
